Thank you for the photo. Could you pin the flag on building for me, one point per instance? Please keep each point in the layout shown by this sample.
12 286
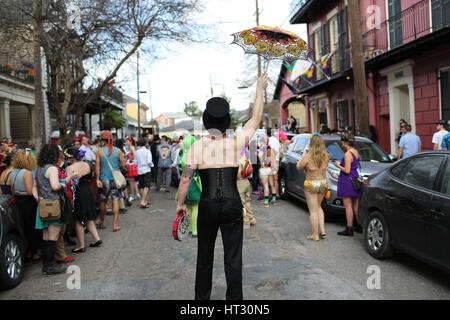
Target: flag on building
311 72
300 68
326 62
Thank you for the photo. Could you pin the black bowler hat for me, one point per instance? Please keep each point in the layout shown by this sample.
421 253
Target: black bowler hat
217 114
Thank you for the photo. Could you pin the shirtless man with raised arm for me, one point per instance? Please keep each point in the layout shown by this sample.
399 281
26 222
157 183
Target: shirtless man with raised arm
217 159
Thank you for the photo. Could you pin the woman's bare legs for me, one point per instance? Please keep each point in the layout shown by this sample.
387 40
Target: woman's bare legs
79 230
348 204
133 187
311 200
265 183
355 203
90 225
321 214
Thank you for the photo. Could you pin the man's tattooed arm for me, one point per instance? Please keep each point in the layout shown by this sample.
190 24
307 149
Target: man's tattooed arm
185 182
188 171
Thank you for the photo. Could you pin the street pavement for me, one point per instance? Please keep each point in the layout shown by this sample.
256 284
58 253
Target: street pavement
142 261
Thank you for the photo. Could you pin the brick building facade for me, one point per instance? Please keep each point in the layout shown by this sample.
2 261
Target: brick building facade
406 46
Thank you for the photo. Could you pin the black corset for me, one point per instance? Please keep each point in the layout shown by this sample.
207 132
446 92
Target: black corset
219 183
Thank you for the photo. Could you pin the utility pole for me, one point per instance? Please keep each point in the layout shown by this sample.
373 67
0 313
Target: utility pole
359 71
151 106
138 100
259 57
210 84
257 24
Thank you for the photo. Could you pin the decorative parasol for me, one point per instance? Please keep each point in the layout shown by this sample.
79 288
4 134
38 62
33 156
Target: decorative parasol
272 43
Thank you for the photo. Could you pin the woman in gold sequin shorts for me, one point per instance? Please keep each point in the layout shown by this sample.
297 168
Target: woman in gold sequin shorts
315 161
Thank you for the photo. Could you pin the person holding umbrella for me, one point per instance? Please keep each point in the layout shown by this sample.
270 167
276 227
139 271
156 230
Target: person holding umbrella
216 159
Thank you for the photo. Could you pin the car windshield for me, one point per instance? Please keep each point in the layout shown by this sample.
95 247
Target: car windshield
367 151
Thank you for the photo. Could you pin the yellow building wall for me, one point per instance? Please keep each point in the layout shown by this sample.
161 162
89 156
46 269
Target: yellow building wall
298 110
132 112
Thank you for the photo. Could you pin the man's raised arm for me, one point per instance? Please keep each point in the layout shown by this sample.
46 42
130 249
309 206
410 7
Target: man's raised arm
250 127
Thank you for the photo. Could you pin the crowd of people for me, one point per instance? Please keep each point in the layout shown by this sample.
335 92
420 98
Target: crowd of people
82 176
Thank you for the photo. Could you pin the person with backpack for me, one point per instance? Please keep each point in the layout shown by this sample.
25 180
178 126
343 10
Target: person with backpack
164 152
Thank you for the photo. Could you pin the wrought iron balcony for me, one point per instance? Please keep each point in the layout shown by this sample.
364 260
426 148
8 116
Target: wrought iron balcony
422 18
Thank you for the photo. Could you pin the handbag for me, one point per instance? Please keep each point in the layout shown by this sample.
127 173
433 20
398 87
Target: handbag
358 183
119 179
49 209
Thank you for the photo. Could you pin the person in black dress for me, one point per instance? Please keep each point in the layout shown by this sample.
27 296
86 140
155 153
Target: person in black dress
83 200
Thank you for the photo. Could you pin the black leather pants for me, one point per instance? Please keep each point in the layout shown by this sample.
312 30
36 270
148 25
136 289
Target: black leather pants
225 214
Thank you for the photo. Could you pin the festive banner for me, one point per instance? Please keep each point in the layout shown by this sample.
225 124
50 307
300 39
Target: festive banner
300 68
326 62
311 72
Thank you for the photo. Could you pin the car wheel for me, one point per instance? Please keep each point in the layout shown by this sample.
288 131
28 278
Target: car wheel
11 261
282 186
376 236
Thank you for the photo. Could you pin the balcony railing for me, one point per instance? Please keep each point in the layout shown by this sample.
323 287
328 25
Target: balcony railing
414 22
17 69
295 5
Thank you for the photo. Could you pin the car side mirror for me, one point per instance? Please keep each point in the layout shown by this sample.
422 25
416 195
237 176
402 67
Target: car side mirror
393 157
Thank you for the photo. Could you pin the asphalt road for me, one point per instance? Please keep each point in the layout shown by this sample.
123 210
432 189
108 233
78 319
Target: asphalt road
142 261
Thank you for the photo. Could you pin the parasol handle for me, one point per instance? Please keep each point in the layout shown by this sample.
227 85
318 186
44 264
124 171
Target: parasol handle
270 56
268 61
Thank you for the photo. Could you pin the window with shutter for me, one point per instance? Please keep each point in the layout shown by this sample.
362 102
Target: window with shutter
440 13
344 54
395 23
312 45
325 38
341 114
336 125
445 93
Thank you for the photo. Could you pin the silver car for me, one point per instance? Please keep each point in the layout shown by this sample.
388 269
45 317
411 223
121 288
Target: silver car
372 159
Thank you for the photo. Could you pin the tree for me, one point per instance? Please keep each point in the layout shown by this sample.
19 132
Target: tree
86 43
192 109
113 119
234 119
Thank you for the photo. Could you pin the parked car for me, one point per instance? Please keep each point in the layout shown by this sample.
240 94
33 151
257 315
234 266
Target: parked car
12 244
372 159
407 208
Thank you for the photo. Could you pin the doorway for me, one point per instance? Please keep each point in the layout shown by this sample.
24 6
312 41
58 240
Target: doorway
401 97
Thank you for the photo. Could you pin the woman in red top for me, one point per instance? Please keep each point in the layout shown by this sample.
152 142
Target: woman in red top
132 174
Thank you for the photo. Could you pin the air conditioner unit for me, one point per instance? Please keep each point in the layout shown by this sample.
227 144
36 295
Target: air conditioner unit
377 53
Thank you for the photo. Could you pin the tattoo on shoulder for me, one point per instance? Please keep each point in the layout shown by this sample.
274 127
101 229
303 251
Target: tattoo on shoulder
188 172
